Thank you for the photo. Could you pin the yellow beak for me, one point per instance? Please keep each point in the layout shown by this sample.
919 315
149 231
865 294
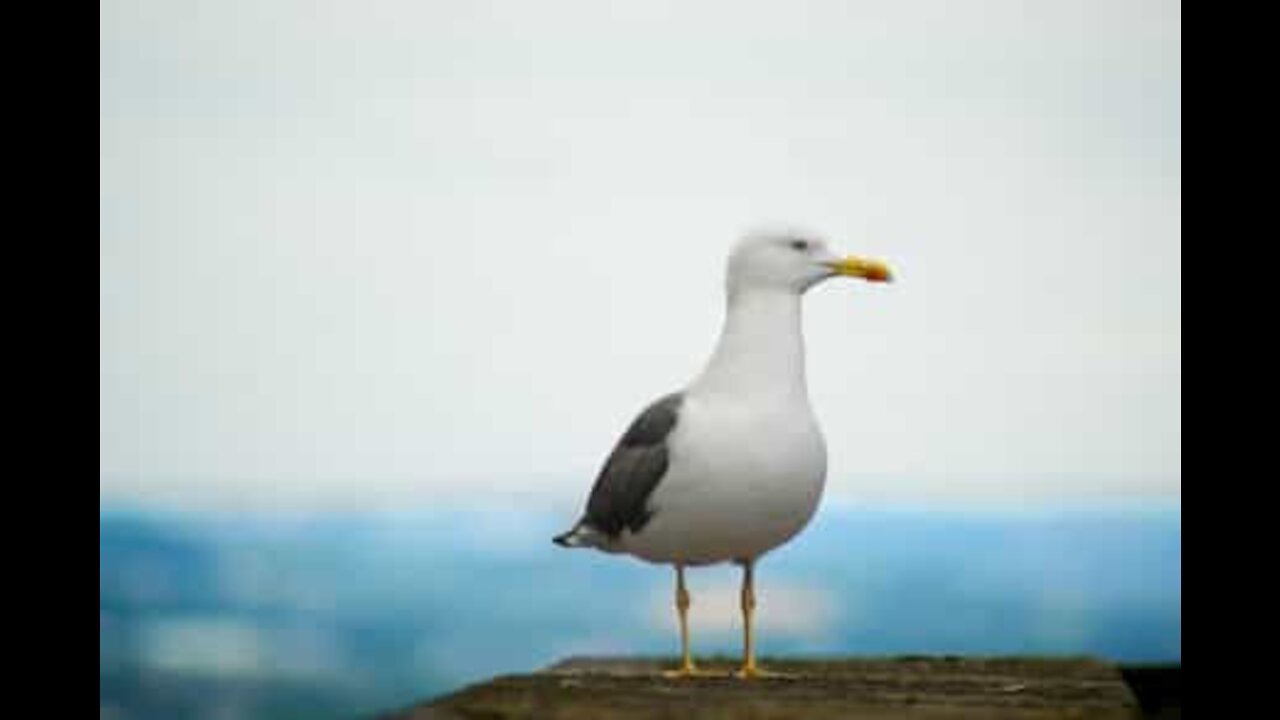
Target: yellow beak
870 270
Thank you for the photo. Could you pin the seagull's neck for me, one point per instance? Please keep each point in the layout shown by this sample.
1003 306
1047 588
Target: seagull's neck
760 354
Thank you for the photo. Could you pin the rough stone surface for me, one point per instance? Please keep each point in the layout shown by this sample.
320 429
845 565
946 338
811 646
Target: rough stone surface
908 688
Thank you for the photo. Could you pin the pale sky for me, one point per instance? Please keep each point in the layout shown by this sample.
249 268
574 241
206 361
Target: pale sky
390 253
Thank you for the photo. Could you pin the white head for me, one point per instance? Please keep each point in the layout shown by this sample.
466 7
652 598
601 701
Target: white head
792 262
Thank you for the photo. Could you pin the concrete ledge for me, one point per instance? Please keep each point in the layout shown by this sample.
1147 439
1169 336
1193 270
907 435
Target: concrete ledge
911 688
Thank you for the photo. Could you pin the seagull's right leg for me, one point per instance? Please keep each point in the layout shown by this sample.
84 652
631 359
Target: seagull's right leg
750 669
686 668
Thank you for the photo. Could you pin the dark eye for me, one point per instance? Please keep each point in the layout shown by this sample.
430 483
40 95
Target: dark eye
799 245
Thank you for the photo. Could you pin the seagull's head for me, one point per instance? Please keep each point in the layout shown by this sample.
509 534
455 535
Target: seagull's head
793 261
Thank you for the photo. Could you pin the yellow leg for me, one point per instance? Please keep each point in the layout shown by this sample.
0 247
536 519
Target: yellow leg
749 668
686 668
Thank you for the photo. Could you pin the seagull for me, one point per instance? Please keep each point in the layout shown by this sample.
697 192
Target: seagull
733 465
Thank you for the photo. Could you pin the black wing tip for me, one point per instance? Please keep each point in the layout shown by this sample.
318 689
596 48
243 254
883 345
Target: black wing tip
569 538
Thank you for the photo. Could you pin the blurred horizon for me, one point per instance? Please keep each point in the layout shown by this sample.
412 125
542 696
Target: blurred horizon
334 614
976 493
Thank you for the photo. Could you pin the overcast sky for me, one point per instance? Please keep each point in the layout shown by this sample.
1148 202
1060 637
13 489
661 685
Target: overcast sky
385 253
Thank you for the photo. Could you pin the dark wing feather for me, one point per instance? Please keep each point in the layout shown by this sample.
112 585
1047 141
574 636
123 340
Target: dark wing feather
619 498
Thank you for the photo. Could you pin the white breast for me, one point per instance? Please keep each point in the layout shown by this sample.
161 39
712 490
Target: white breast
747 461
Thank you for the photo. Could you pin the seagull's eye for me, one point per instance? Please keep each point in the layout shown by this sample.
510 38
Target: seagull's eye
799 245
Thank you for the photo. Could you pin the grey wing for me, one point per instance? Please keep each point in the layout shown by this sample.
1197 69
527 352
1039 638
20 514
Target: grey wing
619 498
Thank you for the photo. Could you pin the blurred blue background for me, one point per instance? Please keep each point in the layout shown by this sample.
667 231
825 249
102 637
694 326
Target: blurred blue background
278 615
